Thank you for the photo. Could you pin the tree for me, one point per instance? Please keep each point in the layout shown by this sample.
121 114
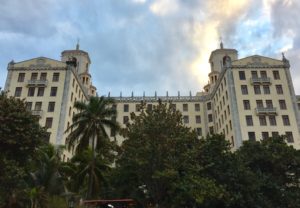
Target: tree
158 162
277 167
20 135
88 127
83 168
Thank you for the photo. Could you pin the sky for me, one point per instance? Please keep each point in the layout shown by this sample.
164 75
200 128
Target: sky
149 45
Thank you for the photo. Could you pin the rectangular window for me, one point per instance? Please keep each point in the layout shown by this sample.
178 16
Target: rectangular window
254 74
173 107
51 106
211 130
249 120
246 104
263 74
285 120
244 89
114 107
259 104
272 120
266 89
251 136
112 132
125 119
275 134
289 137
256 89
149 107
186 119
242 75
29 106
18 91
276 75
197 107
30 91
48 123
198 119
265 135
55 77
210 118
279 89
262 120
199 131
53 91
43 76
40 91
34 76
21 77
126 108
185 107
38 106
282 104
208 106
138 107
269 103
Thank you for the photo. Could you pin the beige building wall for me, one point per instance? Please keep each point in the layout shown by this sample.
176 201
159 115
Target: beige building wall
269 107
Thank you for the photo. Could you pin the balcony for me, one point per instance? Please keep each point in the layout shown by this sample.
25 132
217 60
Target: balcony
260 80
37 82
266 111
37 113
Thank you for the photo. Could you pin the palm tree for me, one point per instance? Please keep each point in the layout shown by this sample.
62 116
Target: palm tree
82 170
89 127
47 179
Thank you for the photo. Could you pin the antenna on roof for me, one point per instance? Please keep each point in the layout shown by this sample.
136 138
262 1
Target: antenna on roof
77 45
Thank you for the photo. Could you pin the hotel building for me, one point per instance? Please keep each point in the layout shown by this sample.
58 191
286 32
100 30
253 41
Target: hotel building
251 98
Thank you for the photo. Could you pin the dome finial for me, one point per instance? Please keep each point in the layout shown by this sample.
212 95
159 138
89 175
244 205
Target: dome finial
221 43
77 45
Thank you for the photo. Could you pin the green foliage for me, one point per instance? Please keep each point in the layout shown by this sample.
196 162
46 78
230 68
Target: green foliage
88 127
82 168
277 168
158 161
20 135
89 124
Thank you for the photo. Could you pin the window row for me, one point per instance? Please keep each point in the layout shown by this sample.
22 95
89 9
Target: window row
265 135
38 106
269 104
257 89
31 91
272 120
34 76
185 107
263 74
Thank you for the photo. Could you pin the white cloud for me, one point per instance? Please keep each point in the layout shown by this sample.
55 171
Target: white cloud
164 7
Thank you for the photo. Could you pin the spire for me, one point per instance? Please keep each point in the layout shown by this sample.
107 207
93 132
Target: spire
77 45
221 43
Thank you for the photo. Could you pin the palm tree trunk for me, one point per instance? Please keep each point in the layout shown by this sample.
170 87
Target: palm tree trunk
91 181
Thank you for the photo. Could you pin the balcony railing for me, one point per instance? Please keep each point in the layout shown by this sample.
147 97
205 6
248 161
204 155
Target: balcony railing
37 82
267 110
37 113
260 80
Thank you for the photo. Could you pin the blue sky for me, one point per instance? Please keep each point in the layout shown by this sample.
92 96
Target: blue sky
149 45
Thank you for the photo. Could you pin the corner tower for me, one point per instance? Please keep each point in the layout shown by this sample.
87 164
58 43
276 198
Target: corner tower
82 65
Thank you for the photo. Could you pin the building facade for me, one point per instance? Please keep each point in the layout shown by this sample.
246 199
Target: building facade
251 98
50 89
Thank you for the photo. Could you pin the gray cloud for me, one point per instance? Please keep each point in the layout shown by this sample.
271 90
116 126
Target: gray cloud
134 49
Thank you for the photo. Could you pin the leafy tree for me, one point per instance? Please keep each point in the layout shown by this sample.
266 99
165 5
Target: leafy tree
277 166
20 135
158 163
88 127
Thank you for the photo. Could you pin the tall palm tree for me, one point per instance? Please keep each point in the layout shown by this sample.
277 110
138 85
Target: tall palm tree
82 170
89 129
